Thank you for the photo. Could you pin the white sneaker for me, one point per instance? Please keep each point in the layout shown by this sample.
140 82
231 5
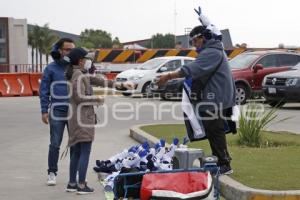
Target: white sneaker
51 179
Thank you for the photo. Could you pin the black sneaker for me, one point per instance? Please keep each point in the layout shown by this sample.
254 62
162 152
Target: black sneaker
226 170
71 188
85 190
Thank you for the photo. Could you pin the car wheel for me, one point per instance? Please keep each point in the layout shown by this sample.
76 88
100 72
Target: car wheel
146 90
276 104
165 96
126 94
242 93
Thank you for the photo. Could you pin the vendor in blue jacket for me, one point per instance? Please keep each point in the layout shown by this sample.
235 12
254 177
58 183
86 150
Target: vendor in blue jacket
211 85
54 102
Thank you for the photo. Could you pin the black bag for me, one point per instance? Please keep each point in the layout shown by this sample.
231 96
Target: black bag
127 186
229 126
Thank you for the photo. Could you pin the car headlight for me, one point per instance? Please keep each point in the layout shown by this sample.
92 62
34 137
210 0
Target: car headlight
291 81
136 77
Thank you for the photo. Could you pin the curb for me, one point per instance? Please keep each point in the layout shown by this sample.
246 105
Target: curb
230 189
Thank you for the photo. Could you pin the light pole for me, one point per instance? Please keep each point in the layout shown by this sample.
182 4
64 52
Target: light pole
175 15
187 33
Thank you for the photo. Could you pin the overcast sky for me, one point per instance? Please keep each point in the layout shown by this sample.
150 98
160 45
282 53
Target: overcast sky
259 23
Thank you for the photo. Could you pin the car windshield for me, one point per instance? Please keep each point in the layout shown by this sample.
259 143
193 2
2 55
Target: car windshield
151 64
297 67
242 61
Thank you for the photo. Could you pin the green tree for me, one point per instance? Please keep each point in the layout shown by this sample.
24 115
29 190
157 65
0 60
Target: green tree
91 39
36 32
41 40
116 43
162 41
48 38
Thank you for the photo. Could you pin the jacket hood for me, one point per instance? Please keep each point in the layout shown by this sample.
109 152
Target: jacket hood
212 43
55 53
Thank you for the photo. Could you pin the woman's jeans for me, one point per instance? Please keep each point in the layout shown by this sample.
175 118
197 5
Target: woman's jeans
58 121
80 155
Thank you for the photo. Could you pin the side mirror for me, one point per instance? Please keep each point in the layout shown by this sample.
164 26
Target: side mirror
258 67
163 69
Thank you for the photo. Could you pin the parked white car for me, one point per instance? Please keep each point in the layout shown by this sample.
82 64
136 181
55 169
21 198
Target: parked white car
142 75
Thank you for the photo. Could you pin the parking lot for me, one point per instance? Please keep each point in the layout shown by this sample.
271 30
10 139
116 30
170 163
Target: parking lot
24 141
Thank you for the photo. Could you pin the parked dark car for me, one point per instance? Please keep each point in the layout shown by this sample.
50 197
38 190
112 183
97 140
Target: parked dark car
250 68
283 87
172 89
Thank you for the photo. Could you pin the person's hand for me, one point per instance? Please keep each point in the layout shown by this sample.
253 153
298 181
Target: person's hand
45 118
203 19
100 100
162 79
198 11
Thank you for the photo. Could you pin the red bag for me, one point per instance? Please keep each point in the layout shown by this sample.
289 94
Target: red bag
178 185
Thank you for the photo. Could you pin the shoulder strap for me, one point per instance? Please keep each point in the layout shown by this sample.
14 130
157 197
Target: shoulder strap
215 70
199 85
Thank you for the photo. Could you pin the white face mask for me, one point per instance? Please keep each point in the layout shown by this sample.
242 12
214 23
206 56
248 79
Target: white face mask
87 64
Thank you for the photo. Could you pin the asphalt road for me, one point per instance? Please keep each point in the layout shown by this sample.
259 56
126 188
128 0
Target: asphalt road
25 139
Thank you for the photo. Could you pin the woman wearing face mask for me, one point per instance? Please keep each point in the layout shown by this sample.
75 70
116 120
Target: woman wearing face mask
82 117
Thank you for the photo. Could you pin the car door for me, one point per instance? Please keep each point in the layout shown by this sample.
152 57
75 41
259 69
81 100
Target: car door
270 64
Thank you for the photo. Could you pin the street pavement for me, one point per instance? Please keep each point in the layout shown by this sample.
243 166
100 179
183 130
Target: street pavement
24 141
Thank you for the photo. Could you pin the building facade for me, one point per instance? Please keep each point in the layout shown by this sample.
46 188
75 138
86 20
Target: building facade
13 44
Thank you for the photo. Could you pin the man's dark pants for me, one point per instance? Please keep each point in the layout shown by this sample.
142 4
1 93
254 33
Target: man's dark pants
215 133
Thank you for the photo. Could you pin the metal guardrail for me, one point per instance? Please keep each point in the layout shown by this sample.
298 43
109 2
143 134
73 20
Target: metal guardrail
22 68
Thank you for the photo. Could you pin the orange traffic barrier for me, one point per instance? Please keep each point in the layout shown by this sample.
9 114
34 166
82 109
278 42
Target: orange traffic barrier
9 85
35 81
24 81
15 84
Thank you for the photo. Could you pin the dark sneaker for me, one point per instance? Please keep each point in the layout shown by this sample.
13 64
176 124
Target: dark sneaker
85 190
225 170
71 188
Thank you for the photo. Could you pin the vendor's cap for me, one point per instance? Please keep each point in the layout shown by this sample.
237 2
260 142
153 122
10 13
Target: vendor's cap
197 31
76 54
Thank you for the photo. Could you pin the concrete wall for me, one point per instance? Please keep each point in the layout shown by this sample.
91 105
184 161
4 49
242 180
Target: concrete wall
18 45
